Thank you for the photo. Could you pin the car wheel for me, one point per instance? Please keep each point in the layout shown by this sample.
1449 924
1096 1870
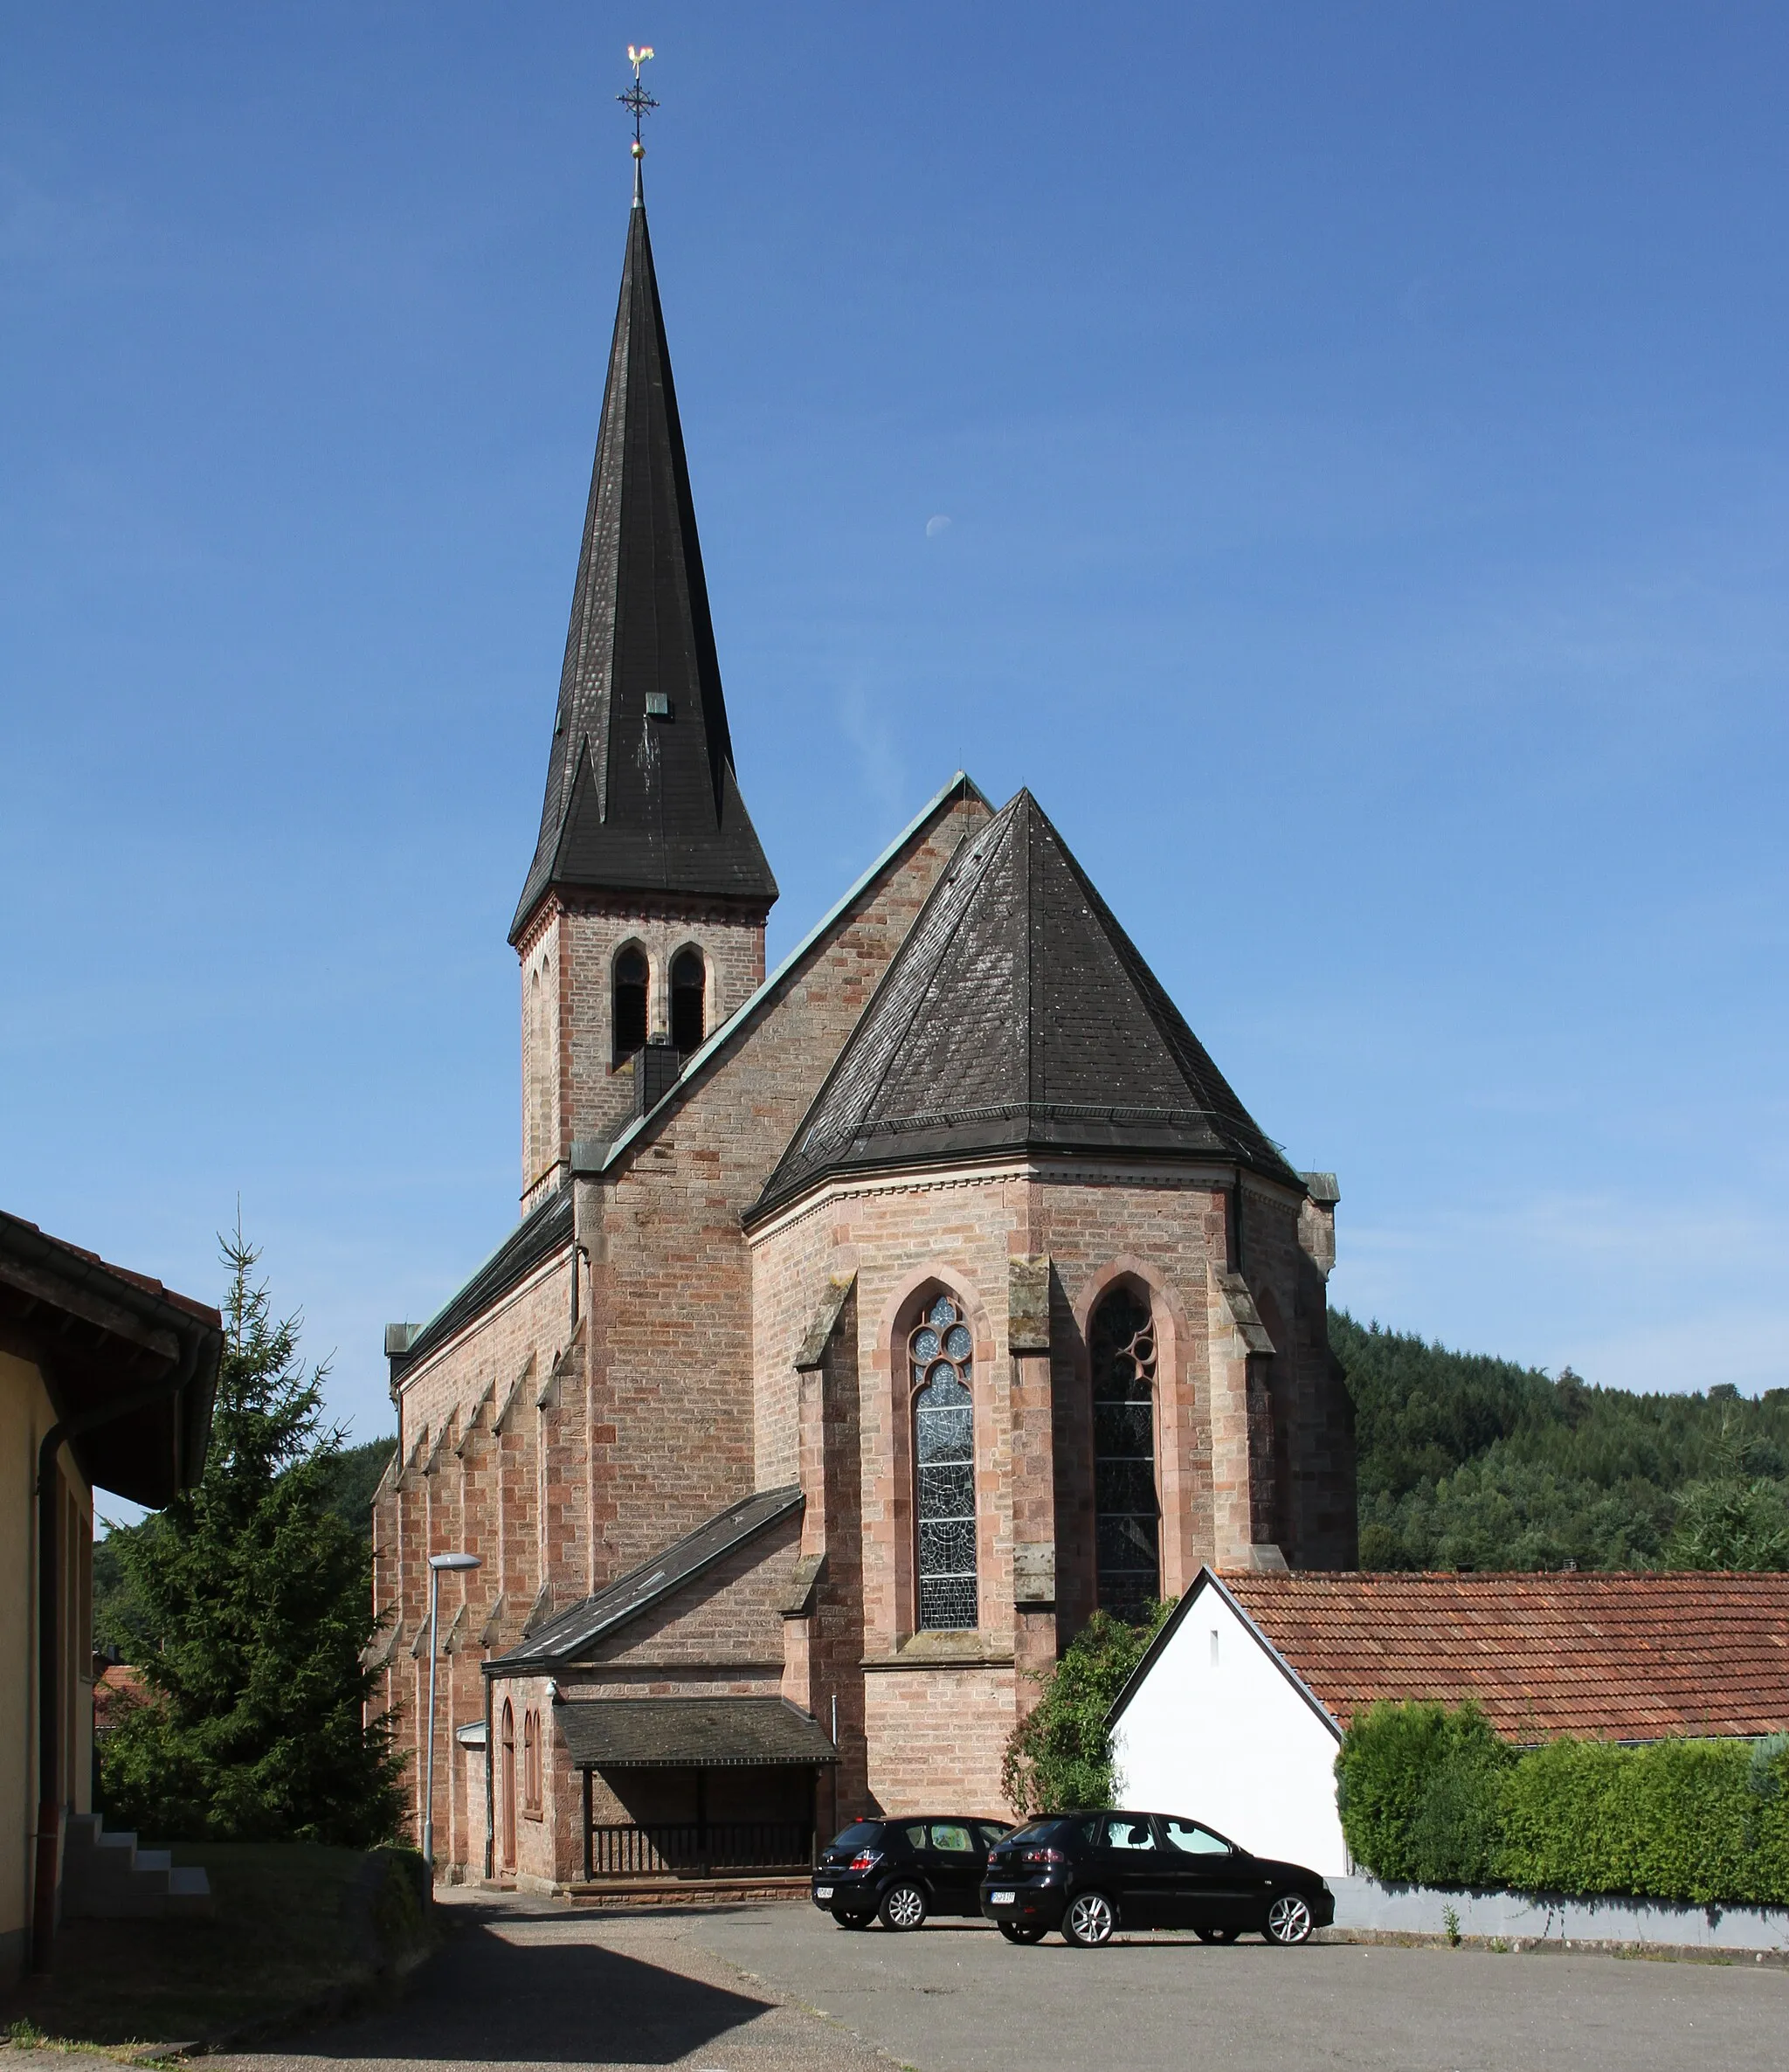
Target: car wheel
1217 1935
1288 1920
1016 1931
1090 1921
903 1906
851 1920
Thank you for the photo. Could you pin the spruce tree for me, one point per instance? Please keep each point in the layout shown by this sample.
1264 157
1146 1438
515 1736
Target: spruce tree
257 1726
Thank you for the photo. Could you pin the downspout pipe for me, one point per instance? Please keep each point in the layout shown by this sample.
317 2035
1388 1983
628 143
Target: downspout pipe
49 1628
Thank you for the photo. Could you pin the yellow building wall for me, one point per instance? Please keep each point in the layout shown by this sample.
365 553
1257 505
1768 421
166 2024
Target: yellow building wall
25 1415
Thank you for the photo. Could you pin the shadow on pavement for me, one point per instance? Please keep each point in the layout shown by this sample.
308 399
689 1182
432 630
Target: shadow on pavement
486 1998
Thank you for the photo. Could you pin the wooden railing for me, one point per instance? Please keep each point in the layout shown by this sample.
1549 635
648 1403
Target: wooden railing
697 1849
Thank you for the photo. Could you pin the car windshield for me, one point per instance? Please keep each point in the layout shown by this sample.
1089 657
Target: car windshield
1036 1831
859 1835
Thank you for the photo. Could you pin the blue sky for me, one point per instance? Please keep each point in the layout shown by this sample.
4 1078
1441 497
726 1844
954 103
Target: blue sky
1336 456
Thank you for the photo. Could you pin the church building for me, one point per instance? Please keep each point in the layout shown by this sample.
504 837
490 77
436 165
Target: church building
868 1325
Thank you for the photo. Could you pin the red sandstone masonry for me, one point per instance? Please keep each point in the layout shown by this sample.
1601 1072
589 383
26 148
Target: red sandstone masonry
653 1428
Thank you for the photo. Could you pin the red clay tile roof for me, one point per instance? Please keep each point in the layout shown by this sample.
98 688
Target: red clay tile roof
146 1282
1624 1657
118 1690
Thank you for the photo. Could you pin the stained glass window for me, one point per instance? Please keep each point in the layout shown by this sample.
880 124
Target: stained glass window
1127 1533
943 1446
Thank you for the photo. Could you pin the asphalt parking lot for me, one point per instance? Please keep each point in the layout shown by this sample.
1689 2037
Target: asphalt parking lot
956 1997
535 1982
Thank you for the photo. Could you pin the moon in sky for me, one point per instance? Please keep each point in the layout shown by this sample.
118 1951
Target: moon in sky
934 525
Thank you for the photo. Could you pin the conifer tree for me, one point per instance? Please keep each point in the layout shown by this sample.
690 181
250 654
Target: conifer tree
257 1724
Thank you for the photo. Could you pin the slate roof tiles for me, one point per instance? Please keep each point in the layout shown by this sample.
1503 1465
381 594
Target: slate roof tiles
1018 1014
640 793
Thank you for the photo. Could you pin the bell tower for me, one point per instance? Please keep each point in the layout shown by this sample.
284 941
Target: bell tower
641 925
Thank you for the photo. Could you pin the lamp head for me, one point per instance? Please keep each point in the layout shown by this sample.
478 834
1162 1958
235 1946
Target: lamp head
439 1561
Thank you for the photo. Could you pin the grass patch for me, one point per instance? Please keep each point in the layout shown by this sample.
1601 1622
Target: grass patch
294 1922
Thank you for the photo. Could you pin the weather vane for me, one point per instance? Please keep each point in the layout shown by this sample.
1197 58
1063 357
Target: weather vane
637 102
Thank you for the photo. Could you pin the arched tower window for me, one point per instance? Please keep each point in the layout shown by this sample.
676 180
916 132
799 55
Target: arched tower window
541 1105
939 1350
690 981
631 977
1127 1529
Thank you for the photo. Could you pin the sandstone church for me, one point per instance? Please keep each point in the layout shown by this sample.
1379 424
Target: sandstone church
868 1325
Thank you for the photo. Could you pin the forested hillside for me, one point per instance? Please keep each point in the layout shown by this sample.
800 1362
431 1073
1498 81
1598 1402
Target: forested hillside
1471 1463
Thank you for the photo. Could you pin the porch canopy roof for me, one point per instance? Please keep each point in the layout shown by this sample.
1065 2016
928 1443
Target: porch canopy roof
689 1734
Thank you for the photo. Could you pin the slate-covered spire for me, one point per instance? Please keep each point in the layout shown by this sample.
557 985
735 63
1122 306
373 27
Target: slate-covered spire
1018 1015
641 795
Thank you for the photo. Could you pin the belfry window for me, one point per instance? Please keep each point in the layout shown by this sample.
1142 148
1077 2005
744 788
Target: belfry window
943 1448
631 978
689 1001
1127 1528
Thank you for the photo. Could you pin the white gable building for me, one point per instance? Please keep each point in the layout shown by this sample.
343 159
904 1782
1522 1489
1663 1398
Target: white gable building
1217 1725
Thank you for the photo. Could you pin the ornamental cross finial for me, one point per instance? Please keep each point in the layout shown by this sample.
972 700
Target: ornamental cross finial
637 102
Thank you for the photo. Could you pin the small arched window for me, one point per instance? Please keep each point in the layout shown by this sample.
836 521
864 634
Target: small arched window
689 982
505 1787
539 1107
630 980
531 1761
1127 1527
939 1350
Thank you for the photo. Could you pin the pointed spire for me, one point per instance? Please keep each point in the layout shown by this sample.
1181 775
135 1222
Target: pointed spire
641 795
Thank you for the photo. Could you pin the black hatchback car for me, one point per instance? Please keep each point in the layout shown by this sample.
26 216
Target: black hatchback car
901 1871
1089 1874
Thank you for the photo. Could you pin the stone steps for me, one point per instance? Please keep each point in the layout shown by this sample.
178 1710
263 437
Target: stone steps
106 1877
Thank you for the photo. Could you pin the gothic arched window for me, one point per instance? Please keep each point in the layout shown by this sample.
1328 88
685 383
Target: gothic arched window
690 981
939 1350
1127 1530
506 1790
541 1067
630 980
531 1761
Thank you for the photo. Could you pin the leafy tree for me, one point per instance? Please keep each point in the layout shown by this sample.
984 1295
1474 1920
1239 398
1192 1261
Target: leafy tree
1060 1755
256 1597
1730 1520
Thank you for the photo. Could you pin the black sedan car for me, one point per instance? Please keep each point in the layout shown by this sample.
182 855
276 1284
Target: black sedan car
1089 1874
900 1871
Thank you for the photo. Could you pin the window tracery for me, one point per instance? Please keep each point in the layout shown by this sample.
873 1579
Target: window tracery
1127 1515
939 1350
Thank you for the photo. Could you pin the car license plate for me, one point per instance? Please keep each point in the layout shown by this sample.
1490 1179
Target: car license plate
822 1892
1002 1899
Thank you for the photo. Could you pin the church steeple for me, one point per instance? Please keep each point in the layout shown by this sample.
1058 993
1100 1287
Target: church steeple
641 796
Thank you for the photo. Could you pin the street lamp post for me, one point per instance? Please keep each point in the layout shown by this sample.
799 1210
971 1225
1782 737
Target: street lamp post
436 1562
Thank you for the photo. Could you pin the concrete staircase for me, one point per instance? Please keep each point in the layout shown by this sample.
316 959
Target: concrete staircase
106 1877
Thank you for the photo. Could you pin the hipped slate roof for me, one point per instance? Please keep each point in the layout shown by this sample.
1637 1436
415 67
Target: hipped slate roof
1624 1657
1019 1015
573 1632
640 801
689 1734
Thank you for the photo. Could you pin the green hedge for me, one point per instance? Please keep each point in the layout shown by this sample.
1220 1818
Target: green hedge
1432 1797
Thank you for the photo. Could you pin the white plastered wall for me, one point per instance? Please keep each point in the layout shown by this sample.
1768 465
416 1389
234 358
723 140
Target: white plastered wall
1217 1731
